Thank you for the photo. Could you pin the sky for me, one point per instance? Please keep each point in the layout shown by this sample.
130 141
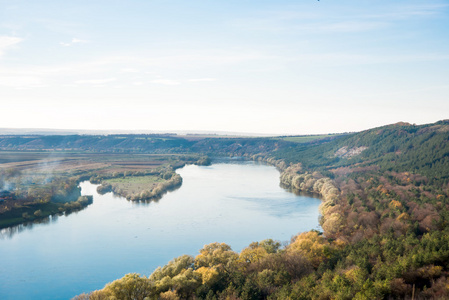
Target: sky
273 67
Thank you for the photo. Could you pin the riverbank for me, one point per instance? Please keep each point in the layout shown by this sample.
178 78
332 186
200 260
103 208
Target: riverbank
36 212
232 203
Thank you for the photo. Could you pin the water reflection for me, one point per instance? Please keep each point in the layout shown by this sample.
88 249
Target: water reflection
277 207
9 232
300 193
232 160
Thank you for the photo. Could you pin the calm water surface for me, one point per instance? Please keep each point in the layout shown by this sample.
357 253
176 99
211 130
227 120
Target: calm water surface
232 203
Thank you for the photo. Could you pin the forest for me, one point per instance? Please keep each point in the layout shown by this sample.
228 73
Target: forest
384 216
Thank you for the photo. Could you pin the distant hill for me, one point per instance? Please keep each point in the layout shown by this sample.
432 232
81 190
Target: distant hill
398 147
95 143
189 133
155 143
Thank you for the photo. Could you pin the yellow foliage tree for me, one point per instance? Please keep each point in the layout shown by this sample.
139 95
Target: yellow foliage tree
132 286
311 245
332 223
209 276
395 204
218 255
252 254
169 295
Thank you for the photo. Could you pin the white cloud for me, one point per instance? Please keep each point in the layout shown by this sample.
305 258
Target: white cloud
117 68
96 81
339 59
75 41
411 11
202 79
325 22
186 58
318 25
165 82
351 26
129 70
21 82
8 42
72 42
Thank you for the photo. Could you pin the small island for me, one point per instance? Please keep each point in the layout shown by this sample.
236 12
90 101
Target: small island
138 186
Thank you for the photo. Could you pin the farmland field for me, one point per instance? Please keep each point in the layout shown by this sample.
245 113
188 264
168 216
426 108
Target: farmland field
305 138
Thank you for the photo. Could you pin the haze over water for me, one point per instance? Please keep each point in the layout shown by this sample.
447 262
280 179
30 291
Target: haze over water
231 203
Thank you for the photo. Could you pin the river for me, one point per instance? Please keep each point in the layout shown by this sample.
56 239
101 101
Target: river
68 255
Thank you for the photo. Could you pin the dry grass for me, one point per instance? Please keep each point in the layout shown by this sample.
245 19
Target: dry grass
135 184
66 163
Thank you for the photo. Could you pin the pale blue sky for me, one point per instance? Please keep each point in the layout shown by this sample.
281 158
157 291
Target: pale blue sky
279 67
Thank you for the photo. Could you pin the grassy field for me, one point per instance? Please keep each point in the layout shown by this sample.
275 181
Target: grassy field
135 184
305 138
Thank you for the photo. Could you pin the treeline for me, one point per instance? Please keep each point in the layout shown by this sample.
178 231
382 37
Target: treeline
239 146
310 267
35 211
77 205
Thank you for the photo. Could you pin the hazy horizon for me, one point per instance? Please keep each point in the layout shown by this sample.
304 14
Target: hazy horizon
54 131
51 131
277 68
